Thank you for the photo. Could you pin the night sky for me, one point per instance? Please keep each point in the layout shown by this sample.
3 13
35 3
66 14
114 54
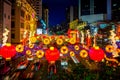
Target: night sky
57 10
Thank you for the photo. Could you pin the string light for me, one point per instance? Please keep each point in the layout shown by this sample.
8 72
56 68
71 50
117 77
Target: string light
25 34
5 36
94 40
82 37
113 42
88 41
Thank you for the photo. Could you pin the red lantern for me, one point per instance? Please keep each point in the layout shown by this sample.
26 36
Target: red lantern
52 54
96 54
8 51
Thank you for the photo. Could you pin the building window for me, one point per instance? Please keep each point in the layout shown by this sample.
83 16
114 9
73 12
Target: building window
13 24
28 27
22 25
13 36
13 12
4 15
8 16
28 17
22 13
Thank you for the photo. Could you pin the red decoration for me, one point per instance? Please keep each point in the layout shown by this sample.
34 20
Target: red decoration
52 54
8 51
96 54
88 42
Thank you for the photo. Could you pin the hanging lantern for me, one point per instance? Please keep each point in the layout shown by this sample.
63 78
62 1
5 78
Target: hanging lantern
96 53
8 51
52 54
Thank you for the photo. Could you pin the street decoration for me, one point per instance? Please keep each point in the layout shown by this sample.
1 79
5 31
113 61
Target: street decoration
20 48
109 48
64 49
5 36
33 39
76 47
46 40
88 39
8 51
72 53
39 53
59 41
31 45
52 54
28 52
83 53
96 54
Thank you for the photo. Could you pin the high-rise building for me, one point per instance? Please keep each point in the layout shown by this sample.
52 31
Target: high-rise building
85 8
115 9
5 19
37 5
23 19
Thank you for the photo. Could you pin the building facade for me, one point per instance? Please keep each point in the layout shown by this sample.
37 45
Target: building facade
23 19
37 5
5 19
45 15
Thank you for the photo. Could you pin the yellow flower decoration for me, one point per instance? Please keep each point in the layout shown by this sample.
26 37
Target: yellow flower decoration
83 53
19 48
39 53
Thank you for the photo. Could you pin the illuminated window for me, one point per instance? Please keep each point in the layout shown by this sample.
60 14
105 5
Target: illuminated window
22 25
22 13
